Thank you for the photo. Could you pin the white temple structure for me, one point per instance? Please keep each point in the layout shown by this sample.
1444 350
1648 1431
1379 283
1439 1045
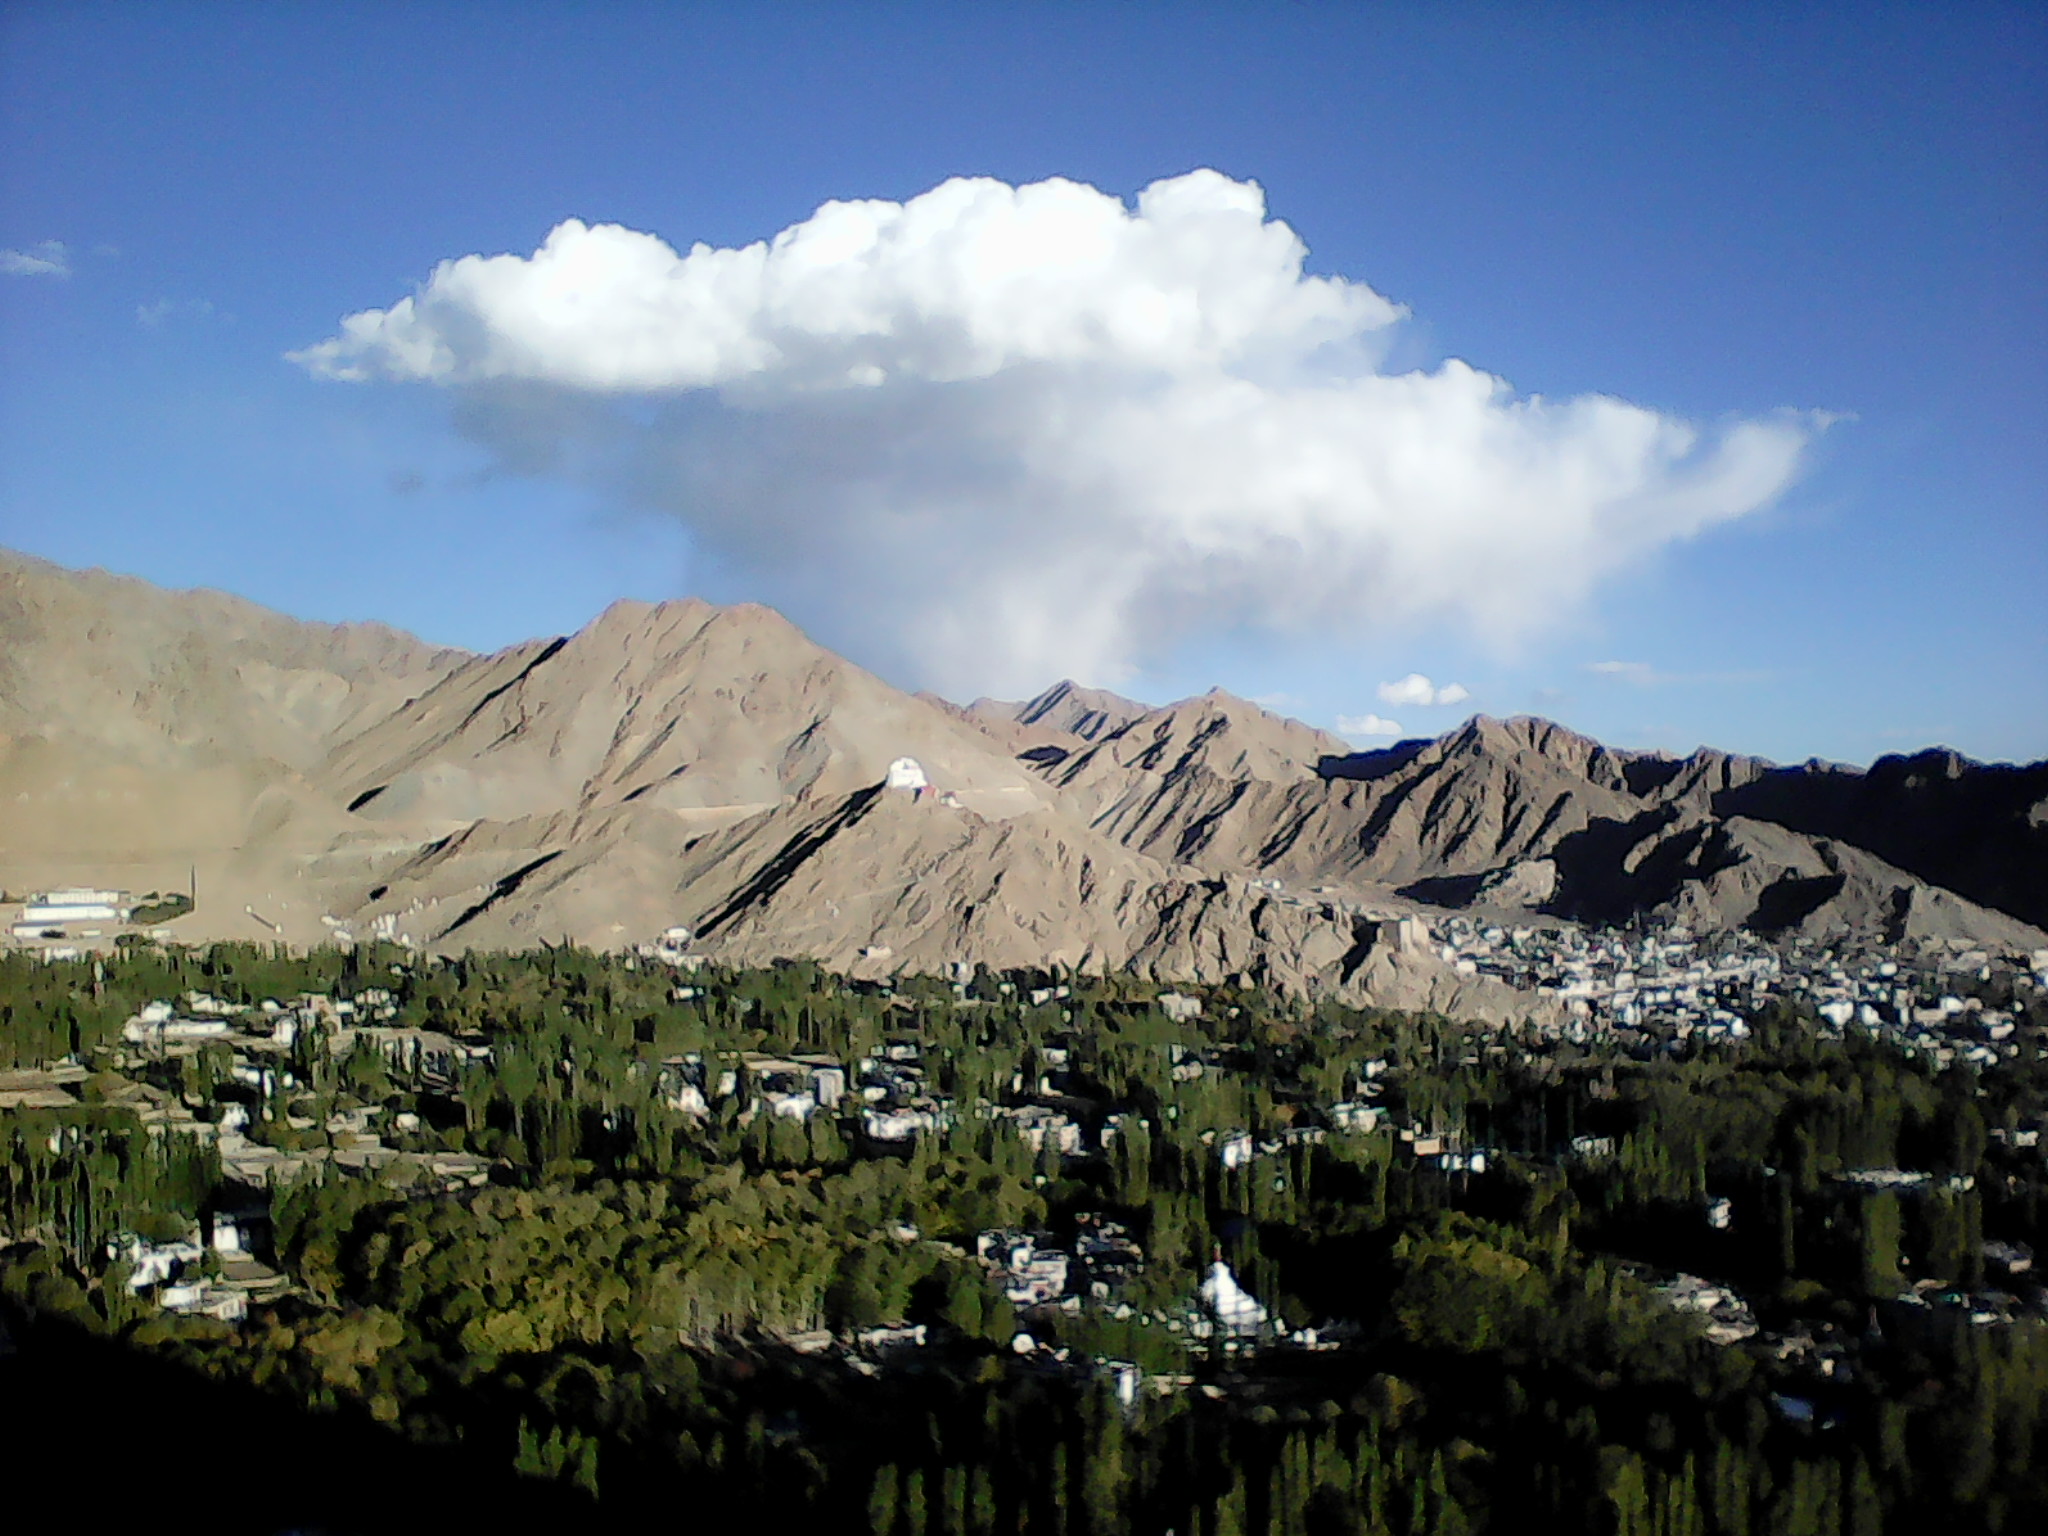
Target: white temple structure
1235 1309
907 773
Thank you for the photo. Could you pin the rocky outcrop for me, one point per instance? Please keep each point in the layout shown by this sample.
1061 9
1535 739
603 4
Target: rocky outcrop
1065 712
1524 816
680 706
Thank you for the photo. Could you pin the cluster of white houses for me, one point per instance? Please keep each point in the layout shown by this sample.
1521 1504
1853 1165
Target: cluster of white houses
211 1272
895 1104
1665 986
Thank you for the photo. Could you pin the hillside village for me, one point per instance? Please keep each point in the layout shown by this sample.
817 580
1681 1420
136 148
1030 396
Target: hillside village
288 1103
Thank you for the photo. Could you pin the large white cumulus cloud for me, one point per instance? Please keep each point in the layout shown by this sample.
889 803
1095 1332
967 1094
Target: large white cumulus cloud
996 434
972 278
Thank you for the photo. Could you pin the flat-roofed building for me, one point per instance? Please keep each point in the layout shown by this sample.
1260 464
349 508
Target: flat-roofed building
76 905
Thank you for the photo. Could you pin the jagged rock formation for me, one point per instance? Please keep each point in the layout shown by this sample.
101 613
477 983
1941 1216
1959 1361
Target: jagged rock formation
1526 815
1066 709
678 706
683 764
1060 720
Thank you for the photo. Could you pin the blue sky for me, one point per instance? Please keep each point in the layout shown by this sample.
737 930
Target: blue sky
1718 218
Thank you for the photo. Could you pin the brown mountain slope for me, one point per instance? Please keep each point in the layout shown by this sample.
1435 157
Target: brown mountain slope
683 764
1743 873
1201 782
1523 815
1066 709
1064 718
145 675
144 732
880 881
679 706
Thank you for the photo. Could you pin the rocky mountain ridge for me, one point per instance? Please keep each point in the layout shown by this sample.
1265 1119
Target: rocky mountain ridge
684 765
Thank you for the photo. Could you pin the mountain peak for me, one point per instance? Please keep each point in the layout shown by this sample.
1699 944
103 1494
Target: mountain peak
613 782
1066 713
1216 733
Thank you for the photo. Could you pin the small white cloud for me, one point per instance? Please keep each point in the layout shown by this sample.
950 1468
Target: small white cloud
1417 689
1367 725
49 259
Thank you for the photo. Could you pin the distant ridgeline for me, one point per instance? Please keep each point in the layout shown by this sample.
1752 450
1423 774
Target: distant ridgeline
1026 1252
684 765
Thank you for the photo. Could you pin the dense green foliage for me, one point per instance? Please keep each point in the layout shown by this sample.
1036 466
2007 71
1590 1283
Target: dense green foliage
620 1307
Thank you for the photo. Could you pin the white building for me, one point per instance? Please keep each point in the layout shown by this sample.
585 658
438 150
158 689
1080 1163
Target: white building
199 1298
1235 1309
153 1263
1355 1116
77 905
141 1029
1238 1149
688 1098
895 1124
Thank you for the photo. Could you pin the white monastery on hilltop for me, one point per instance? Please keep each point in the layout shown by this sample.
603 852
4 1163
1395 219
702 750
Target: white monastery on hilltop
907 773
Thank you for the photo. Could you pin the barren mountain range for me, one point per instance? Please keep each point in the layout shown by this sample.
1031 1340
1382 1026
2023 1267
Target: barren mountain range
686 765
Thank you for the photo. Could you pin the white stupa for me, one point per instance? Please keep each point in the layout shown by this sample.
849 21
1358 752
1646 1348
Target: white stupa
1235 1309
907 773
